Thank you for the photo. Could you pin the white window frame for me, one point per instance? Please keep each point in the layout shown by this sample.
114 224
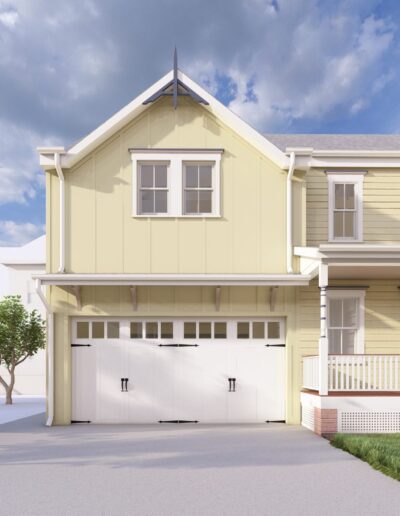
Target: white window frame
154 188
356 179
359 347
177 160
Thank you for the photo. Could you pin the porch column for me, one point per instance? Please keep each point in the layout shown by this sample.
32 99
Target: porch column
323 341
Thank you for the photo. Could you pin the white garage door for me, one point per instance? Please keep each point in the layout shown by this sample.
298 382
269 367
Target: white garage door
208 371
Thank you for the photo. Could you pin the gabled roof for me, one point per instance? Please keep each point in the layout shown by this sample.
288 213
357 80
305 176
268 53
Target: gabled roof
82 148
345 142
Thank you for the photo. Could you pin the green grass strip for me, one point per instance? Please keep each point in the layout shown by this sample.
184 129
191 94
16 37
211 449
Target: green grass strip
381 451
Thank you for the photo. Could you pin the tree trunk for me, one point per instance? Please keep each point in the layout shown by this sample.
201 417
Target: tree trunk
10 388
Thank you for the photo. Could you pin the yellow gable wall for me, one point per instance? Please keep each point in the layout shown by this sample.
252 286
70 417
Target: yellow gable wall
102 236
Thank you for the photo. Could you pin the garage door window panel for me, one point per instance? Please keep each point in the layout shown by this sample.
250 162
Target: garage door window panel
189 330
113 330
243 330
136 330
151 330
82 329
98 330
220 330
167 330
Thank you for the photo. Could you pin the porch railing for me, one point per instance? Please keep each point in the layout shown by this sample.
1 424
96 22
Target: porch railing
355 373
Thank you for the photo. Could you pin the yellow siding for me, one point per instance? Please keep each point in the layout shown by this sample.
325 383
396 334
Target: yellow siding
103 237
381 196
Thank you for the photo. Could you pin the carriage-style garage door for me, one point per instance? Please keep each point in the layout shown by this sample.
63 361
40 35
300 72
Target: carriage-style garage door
208 371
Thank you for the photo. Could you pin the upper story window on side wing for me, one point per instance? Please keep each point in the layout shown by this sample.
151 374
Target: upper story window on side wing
176 183
345 207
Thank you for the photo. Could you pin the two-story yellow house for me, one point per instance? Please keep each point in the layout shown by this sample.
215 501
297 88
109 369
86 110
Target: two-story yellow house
200 271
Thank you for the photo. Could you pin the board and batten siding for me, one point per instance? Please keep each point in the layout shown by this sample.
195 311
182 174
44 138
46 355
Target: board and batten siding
381 204
103 237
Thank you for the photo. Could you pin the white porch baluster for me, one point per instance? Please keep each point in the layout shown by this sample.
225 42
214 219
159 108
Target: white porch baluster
323 341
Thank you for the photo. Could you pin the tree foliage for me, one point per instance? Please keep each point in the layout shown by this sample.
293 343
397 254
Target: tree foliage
22 335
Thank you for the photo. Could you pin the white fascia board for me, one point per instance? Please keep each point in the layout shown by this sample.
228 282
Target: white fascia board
134 108
11 262
351 254
174 279
305 162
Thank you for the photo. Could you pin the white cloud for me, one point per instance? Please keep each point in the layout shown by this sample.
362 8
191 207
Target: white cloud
9 17
307 63
12 233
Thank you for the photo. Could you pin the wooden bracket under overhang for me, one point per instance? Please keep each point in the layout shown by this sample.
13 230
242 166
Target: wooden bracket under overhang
217 298
272 298
133 290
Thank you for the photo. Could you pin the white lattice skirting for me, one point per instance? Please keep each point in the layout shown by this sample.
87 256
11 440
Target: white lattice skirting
369 422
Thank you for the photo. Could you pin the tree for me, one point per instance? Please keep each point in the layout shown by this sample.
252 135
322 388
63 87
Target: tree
22 334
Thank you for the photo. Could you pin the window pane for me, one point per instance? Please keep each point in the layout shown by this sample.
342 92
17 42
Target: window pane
274 330
205 176
147 201
160 175
258 330
113 330
348 340
349 218
350 313
167 330
189 330
191 202
205 201
349 197
335 313
146 172
98 330
136 330
220 330
82 330
160 201
339 197
338 224
334 337
205 330
151 330
243 330
192 176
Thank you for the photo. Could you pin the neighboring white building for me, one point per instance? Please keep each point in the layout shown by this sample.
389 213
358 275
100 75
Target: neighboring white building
17 264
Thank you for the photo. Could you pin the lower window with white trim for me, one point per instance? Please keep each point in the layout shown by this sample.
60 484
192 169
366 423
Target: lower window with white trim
345 322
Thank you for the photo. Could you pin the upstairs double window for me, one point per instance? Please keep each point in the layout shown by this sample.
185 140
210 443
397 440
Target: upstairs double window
345 219
176 184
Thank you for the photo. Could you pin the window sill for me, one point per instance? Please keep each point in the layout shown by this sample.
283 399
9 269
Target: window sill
167 216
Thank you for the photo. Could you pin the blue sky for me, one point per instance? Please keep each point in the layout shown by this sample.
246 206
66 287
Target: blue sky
328 66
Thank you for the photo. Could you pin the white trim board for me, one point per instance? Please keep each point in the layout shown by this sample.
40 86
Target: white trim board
174 279
81 149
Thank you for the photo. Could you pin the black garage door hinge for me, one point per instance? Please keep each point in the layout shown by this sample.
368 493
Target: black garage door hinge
178 345
178 421
80 345
275 345
75 421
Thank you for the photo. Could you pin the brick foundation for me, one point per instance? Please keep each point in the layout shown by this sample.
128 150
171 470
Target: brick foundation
325 421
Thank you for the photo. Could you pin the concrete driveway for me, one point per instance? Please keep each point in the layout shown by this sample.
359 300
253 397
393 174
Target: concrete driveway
183 470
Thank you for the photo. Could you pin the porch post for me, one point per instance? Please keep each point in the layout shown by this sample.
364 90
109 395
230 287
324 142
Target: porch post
323 341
